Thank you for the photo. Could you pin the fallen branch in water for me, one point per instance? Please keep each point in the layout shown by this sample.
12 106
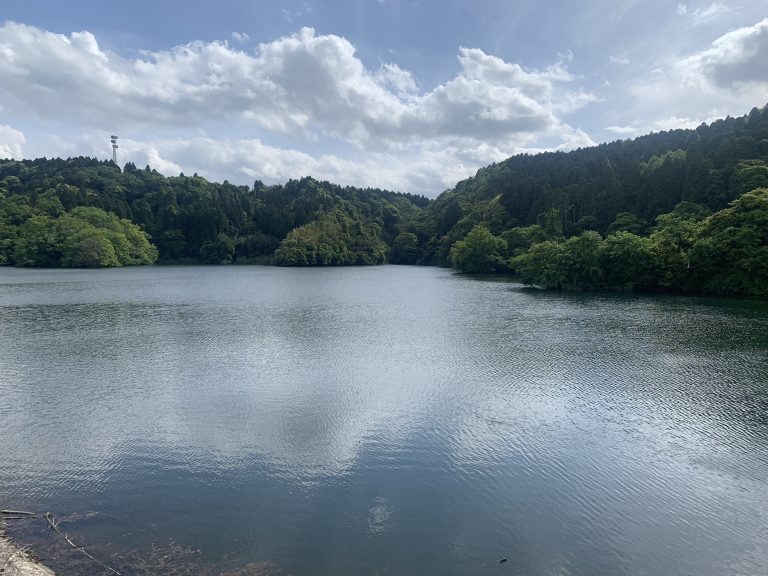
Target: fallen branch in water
55 527
18 512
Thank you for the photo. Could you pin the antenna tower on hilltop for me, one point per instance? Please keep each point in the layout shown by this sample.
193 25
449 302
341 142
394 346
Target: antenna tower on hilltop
113 139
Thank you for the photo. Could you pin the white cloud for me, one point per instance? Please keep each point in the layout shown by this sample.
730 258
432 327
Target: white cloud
664 124
399 80
11 142
621 60
299 84
303 88
712 11
736 58
728 77
703 15
624 130
241 37
426 170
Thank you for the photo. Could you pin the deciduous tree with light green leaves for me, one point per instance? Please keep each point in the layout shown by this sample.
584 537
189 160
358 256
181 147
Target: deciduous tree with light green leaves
731 253
83 237
479 252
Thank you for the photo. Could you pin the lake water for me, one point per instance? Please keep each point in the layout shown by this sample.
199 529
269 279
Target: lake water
384 420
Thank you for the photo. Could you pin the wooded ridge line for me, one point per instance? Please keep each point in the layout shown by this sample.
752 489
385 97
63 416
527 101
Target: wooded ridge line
680 210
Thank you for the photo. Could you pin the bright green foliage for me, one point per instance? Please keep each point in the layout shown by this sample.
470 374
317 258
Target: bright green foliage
670 243
89 248
479 252
581 262
626 262
83 237
335 239
749 175
570 265
725 253
542 265
544 215
193 220
656 162
38 243
731 254
628 222
619 186
519 239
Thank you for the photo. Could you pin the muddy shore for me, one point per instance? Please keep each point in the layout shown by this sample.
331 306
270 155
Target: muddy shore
15 561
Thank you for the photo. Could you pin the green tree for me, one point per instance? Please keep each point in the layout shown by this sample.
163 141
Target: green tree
218 251
581 262
626 261
520 239
38 243
670 242
542 265
731 253
479 252
628 222
89 248
405 248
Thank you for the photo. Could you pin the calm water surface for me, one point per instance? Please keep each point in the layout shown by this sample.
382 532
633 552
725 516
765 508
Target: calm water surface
387 420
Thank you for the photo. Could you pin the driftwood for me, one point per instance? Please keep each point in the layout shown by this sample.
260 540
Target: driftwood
55 527
17 513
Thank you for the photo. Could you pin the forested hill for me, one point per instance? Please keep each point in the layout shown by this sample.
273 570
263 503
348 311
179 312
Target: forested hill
624 184
678 210
683 210
189 219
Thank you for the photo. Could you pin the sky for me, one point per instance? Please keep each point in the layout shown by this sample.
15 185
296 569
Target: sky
407 96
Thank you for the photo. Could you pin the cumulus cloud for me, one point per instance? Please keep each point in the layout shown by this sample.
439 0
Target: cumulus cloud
182 107
728 77
738 57
11 142
300 84
427 170
241 37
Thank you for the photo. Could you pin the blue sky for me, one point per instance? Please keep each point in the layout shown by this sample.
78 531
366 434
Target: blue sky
410 96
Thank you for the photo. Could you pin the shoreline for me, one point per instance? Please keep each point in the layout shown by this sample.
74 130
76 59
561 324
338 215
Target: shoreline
15 561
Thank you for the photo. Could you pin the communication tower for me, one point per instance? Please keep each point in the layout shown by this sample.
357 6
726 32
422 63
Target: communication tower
113 139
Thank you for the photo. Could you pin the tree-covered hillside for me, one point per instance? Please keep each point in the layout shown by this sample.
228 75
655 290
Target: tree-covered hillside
685 210
679 210
190 219
622 185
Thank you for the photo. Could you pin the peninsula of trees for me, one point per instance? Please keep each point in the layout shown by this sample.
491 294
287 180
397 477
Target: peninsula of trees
683 210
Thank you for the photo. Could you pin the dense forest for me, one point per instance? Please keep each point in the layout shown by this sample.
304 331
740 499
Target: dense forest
684 210
191 220
679 210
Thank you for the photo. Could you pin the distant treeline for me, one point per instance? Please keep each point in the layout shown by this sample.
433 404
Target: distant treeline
192 220
680 210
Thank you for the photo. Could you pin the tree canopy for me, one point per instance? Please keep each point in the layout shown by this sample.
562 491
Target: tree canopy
677 210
